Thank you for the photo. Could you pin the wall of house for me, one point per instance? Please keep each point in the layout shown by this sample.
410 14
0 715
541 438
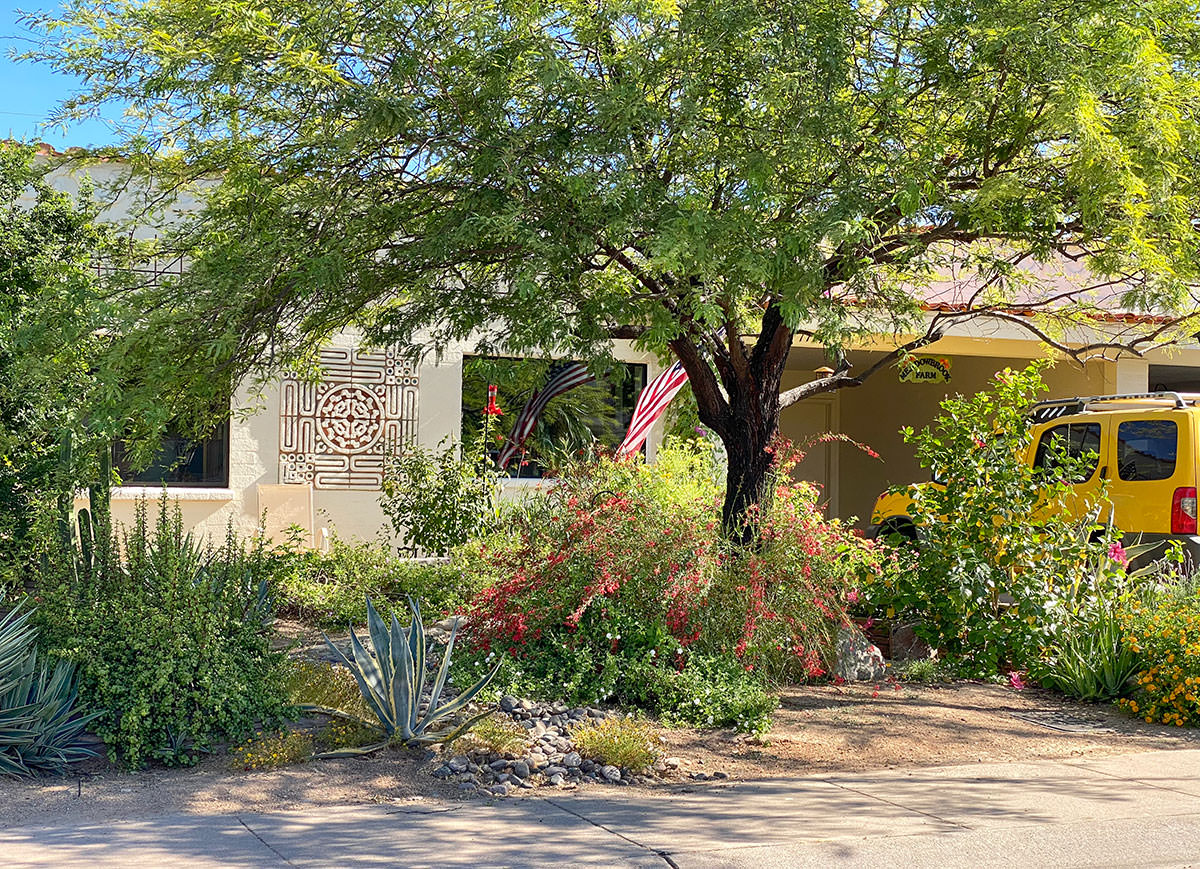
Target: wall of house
261 495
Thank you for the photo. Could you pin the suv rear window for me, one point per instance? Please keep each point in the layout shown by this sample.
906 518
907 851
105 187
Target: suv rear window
1146 449
1072 441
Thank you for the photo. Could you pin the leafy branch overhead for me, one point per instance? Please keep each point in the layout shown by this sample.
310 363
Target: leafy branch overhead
538 177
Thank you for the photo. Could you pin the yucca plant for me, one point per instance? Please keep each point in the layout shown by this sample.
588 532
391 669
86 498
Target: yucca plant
39 731
392 677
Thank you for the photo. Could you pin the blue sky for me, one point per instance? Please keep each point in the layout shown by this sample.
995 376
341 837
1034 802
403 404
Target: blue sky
29 92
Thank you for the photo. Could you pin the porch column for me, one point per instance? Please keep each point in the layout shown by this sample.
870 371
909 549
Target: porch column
1131 375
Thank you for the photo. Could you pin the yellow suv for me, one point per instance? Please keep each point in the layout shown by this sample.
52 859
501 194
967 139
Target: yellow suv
1146 447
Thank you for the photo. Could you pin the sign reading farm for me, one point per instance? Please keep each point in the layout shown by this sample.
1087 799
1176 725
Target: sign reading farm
925 369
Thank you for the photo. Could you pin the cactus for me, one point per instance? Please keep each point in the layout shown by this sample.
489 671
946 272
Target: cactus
392 677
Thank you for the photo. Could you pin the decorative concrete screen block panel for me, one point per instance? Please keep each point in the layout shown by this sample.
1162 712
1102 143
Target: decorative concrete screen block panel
335 433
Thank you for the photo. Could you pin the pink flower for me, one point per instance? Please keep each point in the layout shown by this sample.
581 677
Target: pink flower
1014 679
852 597
1117 553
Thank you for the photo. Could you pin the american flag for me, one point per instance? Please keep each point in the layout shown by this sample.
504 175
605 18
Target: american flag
650 406
652 402
563 376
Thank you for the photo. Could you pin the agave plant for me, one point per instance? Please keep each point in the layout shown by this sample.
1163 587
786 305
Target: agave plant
39 731
392 677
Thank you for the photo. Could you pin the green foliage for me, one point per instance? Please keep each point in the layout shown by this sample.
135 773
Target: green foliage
1088 654
536 178
173 642
50 311
711 691
40 729
1162 627
329 589
437 499
316 683
1000 547
493 735
627 742
924 671
392 679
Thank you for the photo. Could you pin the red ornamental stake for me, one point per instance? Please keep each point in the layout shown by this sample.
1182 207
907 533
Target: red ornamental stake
492 408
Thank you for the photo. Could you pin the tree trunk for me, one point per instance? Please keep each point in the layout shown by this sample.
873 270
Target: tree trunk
748 477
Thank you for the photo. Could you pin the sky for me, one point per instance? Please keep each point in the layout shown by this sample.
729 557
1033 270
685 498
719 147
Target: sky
29 92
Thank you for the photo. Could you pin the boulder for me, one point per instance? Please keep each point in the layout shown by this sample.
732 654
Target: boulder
857 660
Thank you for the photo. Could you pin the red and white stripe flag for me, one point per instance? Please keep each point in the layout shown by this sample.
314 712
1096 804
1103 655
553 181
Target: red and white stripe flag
563 376
650 406
652 402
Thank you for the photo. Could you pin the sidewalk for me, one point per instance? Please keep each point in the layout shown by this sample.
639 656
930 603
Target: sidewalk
1125 810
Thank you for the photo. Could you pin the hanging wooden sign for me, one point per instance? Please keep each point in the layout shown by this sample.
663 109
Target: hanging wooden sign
925 369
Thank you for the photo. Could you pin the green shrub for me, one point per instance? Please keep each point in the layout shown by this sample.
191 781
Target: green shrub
436 499
329 589
711 691
39 728
923 670
1088 655
271 750
173 643
496 734
627 743
620 576
1162 627
999 540
317 683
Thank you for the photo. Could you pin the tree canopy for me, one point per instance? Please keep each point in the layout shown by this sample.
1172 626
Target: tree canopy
50 307
538 177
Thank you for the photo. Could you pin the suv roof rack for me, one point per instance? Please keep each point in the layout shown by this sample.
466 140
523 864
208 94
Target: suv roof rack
1052 408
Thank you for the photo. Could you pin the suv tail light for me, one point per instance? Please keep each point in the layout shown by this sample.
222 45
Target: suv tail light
1183 511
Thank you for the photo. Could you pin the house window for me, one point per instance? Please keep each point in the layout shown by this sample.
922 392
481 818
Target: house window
592 415
180 461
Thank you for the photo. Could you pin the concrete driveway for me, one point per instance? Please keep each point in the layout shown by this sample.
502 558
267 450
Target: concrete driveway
1126 810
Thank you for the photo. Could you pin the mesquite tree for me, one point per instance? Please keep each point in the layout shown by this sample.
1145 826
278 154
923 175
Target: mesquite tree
718 179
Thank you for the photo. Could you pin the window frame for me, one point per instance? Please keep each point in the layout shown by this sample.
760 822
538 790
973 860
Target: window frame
1042 449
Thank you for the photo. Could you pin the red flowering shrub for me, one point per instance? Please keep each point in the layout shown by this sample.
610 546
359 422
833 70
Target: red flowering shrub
622 567
615 543
780 604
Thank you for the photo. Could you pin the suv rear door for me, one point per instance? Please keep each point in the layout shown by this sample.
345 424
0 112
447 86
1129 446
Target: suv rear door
1153 458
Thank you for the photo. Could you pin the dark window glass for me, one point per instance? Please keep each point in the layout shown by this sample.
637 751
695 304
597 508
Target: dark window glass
181 462
1146 449
588 416
1071 441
